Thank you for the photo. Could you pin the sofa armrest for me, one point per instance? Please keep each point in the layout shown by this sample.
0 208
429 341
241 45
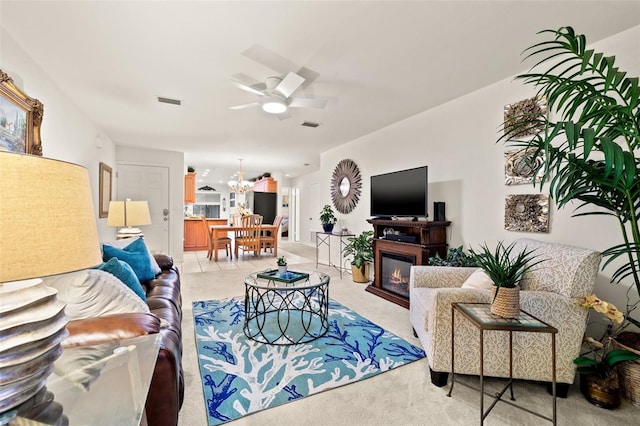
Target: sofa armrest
93 331
439 276
165 262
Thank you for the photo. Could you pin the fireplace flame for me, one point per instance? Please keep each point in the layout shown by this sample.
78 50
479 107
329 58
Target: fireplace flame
396 277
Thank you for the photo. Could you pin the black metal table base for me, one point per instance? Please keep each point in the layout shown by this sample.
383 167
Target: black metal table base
286 315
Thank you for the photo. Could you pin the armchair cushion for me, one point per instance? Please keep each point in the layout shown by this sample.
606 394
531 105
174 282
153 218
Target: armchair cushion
479 280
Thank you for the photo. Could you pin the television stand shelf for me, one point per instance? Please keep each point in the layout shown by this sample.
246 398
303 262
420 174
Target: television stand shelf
414 242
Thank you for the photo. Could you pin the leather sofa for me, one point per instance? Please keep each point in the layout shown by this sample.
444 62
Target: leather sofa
166 392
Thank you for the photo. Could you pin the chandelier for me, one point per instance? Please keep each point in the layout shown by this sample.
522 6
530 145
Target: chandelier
240 186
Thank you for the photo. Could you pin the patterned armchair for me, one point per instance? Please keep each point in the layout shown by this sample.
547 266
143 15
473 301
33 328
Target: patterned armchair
548 292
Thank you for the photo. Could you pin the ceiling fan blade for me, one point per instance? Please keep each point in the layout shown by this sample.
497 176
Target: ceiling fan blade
243 106
245 82
308 102
289 84
270 59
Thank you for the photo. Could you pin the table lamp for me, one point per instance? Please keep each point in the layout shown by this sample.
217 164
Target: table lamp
128 214
47 227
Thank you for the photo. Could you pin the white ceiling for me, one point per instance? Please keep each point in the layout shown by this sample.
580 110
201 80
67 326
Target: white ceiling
378 63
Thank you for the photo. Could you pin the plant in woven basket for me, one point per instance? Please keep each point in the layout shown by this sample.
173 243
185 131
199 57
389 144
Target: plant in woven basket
505 270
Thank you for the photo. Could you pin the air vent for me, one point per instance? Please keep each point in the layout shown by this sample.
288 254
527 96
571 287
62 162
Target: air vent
309 124
169 101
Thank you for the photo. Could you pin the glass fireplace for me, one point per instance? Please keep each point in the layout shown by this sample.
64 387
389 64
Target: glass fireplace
396 269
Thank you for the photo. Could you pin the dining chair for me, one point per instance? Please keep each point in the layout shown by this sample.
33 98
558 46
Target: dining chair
248 236
269 239
222 241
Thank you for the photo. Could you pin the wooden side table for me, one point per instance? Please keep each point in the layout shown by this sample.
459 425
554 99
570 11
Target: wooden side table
480 316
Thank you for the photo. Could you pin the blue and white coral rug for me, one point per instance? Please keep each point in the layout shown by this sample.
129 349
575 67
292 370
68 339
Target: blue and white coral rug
241 377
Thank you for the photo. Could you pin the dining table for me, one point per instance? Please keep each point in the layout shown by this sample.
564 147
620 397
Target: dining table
217 231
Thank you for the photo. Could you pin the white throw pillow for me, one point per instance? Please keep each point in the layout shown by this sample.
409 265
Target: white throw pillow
92 293
125 242
478 280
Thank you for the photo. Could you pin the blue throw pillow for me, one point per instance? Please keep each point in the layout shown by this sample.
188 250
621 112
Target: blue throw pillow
136 255
124 273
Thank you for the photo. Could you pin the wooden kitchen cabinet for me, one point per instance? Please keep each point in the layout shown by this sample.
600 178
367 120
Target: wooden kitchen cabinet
190 188
195 235
266 185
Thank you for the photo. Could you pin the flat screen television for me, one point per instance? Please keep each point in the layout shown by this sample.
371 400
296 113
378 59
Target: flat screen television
401 193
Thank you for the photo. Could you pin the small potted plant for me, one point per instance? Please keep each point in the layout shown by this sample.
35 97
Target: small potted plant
505 271
361 248
282 265
327 218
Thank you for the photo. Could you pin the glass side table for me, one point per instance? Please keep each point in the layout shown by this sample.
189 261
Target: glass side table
479 314
105 384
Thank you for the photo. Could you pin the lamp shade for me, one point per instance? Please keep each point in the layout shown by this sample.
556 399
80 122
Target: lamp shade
47 220
128 213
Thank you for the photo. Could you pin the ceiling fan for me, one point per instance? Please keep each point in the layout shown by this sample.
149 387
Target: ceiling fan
276 92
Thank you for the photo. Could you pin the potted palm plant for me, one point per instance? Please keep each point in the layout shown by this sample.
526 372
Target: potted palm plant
505 271
327 218
591 151
361 248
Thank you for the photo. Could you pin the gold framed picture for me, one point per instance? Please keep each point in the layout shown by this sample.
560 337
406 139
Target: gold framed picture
104 190
20 119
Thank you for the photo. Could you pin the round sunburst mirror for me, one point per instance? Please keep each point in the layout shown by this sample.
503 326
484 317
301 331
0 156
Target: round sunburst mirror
345 186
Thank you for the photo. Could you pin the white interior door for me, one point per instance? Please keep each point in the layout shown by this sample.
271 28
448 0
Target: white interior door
150 183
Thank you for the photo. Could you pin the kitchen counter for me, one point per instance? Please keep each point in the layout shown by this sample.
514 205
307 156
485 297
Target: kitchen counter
195 234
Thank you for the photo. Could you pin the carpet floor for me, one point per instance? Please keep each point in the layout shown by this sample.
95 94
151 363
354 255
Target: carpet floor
403 396
241 376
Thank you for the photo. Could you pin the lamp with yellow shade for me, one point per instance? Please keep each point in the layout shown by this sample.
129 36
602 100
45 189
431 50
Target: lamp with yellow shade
47 227
128 214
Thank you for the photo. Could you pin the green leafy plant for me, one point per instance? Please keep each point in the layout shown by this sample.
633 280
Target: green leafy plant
455 257
590 152
281 261
504 269
327 216
361 248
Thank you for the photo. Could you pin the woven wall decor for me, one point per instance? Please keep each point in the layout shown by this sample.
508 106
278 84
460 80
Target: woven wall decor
525 118
521 166
526 213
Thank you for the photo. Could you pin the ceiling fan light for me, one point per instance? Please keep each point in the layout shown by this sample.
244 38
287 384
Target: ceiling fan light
274 105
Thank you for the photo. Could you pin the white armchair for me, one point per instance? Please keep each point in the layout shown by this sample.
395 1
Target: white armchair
548 292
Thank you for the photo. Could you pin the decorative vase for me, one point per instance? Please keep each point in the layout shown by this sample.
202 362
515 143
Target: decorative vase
507 302
282 269
360 275
327 227
601 392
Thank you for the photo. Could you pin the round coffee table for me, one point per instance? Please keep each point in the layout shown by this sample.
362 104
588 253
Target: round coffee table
286 309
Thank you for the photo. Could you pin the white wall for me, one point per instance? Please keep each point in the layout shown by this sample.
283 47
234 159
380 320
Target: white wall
466 167
67 134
